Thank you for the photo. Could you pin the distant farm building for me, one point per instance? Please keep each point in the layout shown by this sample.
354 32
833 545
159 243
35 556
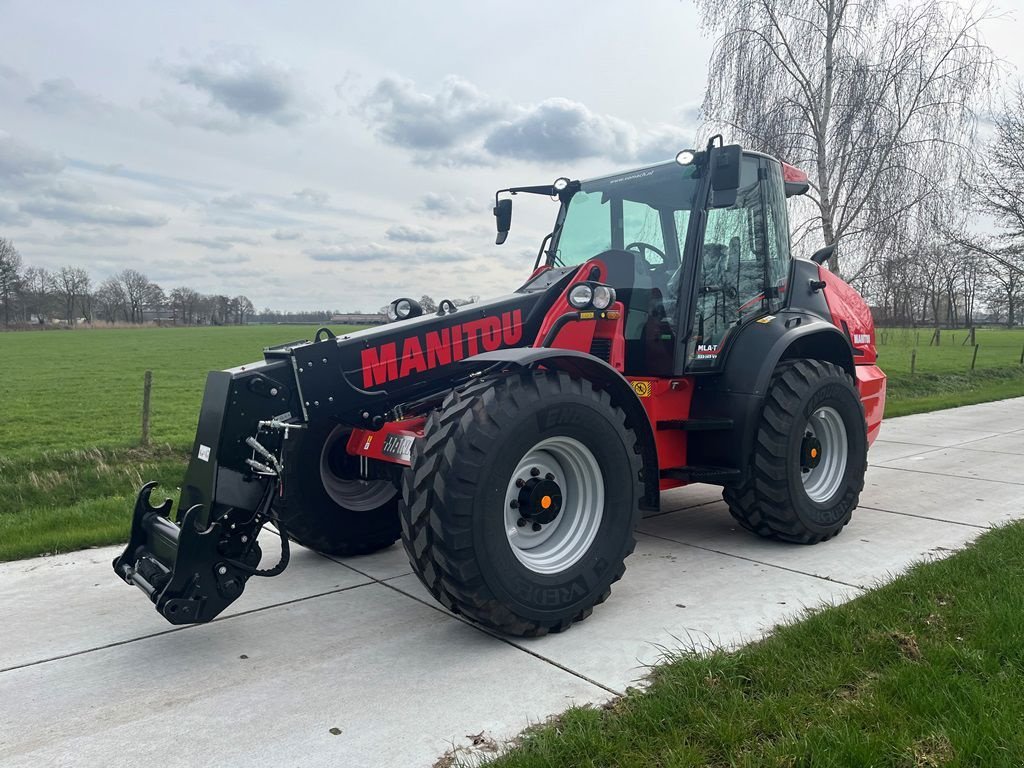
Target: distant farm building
358 319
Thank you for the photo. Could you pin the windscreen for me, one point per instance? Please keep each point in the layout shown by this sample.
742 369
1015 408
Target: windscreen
649 207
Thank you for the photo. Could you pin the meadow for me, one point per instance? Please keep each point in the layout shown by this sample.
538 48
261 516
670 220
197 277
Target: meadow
70 461
942 376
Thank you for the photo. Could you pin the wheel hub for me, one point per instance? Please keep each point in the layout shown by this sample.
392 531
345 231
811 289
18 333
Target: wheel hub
823 454
810 452
554 505
540 500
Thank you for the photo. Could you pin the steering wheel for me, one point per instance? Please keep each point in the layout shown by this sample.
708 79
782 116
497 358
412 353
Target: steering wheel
660 270
643 248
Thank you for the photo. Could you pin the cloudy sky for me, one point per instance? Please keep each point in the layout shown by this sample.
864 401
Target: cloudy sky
325 154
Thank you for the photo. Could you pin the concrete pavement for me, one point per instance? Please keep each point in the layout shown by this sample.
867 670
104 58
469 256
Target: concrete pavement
350 662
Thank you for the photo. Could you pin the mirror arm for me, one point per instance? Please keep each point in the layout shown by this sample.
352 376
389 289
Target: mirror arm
822 255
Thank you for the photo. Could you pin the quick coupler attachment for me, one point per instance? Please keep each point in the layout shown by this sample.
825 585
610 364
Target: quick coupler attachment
190 572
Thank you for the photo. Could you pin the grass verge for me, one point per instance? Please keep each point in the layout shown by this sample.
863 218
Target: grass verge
925 392
926 671
64 500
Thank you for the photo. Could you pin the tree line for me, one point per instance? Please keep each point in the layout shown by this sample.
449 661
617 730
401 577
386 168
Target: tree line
37 296
32 296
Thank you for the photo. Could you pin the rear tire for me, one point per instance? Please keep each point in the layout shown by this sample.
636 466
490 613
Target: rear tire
472 477
324 506
810 455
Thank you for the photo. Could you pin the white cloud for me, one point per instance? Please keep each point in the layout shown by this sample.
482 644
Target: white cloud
232 89
83 213
61 96
461 125
20 162
412 234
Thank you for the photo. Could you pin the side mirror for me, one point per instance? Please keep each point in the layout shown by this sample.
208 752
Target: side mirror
725 163
823 254
503 219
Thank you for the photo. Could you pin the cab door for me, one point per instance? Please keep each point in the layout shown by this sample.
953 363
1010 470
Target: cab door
744 261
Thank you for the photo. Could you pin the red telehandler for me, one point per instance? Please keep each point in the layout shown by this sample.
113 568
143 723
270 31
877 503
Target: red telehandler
666 336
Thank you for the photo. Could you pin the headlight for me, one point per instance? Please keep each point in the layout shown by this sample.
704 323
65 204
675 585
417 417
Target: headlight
686 157
581 295
604 296
561 184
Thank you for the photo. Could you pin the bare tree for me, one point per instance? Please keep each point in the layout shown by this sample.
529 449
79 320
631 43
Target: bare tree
153 299
184 303
71 283
242 308
220 310
135 286
1000 195
10 277
874 99
111 300
37 294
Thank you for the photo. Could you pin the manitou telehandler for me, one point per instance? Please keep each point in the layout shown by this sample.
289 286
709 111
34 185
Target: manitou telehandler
666 336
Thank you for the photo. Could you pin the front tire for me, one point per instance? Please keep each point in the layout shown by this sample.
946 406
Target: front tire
325 506
810 455
519 508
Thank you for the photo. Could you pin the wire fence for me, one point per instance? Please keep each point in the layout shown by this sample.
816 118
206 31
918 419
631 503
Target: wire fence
923 350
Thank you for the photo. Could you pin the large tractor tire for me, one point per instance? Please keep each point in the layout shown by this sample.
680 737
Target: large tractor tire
520 505
325 506
810 455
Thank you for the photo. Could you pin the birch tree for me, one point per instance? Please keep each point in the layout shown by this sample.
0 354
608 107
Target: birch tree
875 100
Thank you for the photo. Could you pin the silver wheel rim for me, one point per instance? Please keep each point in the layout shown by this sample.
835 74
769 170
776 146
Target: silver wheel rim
823 481
559 544
356 495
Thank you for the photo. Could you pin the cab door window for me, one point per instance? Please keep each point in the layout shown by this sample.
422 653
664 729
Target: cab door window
777 236
731 278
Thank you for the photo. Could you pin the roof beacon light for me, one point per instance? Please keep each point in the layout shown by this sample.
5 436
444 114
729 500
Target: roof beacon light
561 184
685 157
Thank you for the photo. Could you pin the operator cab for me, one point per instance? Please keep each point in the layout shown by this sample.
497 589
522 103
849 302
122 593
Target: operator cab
691 257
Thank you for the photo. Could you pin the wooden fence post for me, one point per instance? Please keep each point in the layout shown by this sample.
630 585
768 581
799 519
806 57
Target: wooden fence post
147 388
913 360
974 359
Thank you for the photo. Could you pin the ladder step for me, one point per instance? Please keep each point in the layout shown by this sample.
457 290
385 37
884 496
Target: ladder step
714 475
695 425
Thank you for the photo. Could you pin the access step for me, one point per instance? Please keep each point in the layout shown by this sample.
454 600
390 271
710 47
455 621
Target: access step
698 474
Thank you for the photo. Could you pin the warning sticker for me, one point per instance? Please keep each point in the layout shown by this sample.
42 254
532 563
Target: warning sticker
204 453
643 388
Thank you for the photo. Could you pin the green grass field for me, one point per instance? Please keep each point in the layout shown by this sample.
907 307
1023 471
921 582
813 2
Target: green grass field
943 377
69 466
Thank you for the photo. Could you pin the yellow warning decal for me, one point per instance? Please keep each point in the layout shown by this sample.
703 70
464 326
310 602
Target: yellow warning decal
766 319
643 388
